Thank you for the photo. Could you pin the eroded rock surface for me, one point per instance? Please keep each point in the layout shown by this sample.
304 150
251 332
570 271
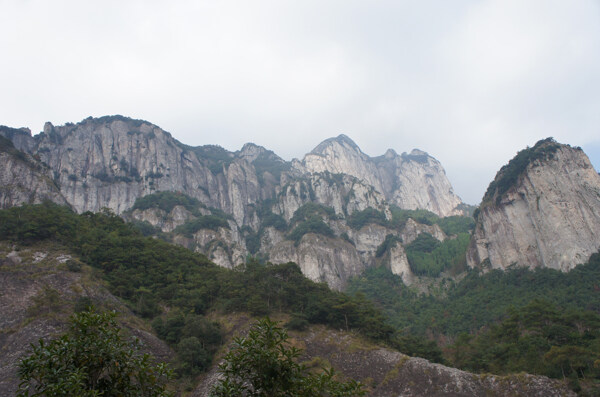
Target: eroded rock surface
112 161
549 217
410 181
388 373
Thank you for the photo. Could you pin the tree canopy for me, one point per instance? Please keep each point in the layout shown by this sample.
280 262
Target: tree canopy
91 359
264 364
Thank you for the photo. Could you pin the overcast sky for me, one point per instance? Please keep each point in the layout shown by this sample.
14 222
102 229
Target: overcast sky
470 82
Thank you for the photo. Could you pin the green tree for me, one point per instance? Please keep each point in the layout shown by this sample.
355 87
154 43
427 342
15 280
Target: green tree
91 359
263 364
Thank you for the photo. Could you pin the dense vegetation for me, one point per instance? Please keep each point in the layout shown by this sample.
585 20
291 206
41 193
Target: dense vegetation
429 257
451 225
211 222
539 338
213 156
479 299
311 210
509 174
149 274
92 358
540 321
492 322
269 162
166 201
309 219
264 363
313 224
358 219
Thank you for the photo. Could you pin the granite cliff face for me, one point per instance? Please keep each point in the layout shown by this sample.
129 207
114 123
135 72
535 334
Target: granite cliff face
113 161
542 210
24 180
410 181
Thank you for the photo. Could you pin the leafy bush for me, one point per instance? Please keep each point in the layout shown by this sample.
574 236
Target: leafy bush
252 242
457 224
400 216
428 257
269 162
274 220
145 228
196 339
211 222
214 156
389 242
264 363
424 242
310 211
359 219
312 225
298 322
166 201
92 358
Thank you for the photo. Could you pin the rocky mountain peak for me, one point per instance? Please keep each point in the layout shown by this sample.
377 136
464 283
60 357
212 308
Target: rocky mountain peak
410 181
340 142
251 152
48 127
113 161
20 137
417 152
541 210
390 154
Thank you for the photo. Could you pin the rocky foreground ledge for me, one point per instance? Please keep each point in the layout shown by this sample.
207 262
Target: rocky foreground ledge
388 373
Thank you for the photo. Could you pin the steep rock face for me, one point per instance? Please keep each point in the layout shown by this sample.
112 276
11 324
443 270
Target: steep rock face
112 161
398 264
548 217
412 230
166 222
344 193
20 137
321 259
224 246
23 179
410 181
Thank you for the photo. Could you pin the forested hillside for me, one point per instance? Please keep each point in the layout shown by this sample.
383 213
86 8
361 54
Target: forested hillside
151 275
177 291
539 321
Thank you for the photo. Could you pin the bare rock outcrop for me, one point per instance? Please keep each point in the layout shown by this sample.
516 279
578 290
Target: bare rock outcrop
410 181
387 373
23 179
321 259
113 161
542 210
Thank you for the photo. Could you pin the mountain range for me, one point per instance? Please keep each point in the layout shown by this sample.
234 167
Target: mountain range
337 212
